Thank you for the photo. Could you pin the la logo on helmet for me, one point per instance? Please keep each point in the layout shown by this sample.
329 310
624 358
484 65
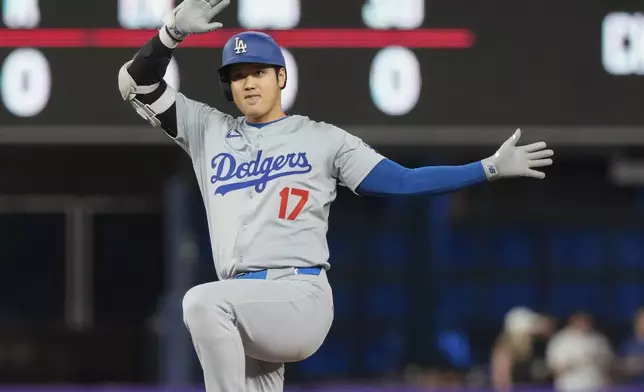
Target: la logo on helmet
240 46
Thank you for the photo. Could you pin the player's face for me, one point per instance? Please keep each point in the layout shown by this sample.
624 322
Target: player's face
256 91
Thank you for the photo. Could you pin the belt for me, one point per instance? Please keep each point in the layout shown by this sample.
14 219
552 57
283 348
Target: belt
261 274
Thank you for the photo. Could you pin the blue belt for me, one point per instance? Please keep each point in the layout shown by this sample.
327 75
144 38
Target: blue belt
262 273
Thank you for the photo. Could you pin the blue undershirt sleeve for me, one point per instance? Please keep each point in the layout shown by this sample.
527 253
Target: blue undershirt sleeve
390 179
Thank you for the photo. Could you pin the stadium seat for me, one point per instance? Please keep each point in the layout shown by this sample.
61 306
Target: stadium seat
628 249
340 252
576 249
384 352
386 301
466 250
454 347
343 300
389 250
332 360
628 259
514 249
628 298
501 297
565 298
456 305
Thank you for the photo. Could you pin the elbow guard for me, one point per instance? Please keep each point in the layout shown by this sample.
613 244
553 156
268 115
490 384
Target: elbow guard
130 90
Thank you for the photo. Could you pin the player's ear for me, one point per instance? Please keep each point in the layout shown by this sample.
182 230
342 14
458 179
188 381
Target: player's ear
281 77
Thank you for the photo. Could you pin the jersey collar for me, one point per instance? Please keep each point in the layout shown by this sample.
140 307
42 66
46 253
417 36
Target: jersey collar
287 124
262 125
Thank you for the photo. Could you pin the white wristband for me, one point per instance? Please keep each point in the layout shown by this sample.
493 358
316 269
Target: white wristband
166 39
491 169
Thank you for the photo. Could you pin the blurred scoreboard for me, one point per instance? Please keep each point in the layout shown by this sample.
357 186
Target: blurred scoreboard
351 62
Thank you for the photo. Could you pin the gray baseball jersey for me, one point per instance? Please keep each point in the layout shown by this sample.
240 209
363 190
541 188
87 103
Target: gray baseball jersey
267 191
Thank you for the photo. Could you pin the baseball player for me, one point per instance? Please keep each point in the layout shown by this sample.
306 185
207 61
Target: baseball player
267 180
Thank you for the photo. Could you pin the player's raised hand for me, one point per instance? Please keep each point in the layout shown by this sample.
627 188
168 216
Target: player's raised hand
512 161
194 17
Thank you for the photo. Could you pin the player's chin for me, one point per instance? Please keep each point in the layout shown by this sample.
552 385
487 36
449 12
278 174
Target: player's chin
255 111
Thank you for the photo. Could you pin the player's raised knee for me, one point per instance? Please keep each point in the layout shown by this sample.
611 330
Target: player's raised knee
196 304
193 305
202 305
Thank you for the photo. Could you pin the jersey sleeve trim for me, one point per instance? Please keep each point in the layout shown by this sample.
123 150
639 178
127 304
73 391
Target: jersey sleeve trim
368 167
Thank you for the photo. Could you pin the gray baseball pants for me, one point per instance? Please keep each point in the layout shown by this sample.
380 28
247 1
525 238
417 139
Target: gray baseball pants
245 330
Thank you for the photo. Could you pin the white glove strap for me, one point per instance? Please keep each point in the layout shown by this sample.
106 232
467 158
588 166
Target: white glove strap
170 23
167 40
491 169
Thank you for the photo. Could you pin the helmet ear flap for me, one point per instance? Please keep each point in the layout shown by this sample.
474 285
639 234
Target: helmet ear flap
228 92
224 81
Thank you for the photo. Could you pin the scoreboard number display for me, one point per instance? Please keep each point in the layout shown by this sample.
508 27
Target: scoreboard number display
365 62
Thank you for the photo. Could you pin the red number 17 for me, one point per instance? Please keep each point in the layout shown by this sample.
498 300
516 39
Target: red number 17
302 194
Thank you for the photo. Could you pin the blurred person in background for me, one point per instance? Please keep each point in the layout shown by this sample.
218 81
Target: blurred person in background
579 356
631 362
515 361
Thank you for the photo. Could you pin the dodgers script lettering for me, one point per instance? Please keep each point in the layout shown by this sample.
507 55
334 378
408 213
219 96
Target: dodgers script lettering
257 172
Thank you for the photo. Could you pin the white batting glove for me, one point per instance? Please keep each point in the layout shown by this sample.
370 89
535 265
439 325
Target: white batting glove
512 161
194 17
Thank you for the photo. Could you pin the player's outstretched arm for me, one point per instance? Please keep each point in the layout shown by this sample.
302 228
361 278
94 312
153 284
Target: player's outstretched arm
390 179
141 79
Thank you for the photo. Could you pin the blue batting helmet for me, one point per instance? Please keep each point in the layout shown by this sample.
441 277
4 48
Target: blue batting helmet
248 47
